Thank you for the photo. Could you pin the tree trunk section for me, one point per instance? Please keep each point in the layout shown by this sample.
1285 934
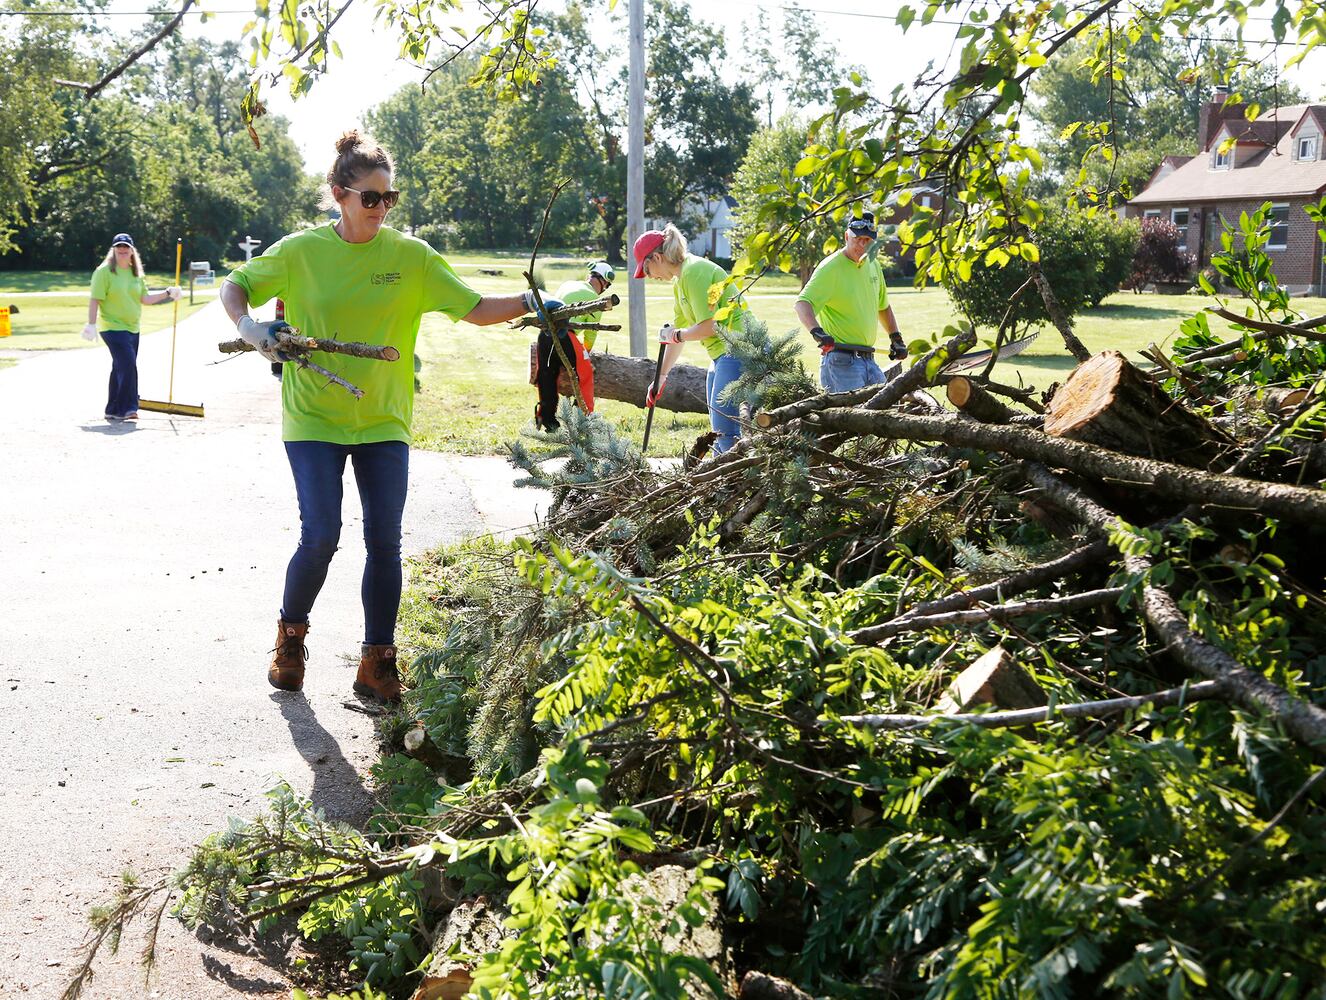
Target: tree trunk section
974 401
1108 402
627 380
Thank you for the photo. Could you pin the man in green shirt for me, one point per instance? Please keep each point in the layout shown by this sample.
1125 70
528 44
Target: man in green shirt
840 306
595 286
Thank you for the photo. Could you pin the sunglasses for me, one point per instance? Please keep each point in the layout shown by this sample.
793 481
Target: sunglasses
370 199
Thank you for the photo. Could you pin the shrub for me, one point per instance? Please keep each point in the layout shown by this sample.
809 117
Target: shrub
1160 256
1085 258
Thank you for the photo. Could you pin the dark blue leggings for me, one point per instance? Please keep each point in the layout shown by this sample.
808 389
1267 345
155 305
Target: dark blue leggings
122 398
382 472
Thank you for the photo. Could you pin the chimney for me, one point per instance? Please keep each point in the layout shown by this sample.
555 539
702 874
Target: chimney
1211 115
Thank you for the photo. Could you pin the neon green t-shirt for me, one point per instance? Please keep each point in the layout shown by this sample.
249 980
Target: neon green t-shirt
375 293
121 296
698 293
579 291
847 298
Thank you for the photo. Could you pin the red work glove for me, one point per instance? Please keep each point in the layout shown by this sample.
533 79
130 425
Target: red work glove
825 342
651 397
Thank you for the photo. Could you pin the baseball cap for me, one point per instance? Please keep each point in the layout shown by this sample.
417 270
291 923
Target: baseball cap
645 244
604 271
864 226
122 239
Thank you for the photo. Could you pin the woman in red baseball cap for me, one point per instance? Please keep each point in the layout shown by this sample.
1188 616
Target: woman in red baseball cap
706 308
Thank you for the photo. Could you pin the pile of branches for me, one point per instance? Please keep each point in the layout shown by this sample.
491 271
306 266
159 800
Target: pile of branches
1019 697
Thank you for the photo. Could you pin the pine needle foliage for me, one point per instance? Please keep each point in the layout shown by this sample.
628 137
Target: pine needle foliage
772 373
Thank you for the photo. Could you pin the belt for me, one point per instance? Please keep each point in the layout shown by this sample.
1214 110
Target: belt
860 352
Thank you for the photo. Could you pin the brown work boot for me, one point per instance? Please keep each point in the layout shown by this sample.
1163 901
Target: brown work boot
377 676
287 669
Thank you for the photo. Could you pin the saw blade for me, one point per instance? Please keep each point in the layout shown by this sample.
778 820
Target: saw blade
974 359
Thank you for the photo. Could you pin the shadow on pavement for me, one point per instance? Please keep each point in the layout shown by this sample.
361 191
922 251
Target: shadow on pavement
224 972
113 430
337 788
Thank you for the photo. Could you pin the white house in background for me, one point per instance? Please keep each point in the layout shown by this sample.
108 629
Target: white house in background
715 215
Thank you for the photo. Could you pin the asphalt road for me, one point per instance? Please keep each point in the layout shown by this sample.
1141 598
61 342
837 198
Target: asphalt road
140 578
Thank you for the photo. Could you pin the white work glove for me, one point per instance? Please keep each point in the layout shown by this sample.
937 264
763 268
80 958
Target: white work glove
174 292
90 332
669 334
262 336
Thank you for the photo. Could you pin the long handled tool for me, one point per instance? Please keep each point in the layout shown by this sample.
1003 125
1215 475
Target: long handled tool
170 406
649 420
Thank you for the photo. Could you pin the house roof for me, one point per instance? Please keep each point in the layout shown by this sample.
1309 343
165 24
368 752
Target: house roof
1266 172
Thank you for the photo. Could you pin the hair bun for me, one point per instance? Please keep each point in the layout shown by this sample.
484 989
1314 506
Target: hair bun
348 141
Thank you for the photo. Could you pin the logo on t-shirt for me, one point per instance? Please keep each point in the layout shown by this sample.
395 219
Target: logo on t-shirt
386 278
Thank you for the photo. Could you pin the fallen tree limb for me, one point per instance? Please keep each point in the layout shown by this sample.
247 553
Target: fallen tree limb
1002 612
292 342
1293 503
571 311
1201 691
1015 583
1305 328
1304 721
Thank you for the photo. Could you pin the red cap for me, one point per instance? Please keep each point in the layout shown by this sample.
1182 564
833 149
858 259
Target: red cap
645 244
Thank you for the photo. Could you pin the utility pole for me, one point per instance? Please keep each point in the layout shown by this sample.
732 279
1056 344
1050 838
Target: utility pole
635 178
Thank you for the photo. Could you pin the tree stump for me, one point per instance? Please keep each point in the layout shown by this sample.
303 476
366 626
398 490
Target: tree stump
994 679
974 401
1108 402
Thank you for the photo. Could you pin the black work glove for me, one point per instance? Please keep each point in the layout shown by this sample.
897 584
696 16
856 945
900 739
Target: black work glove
825 342
897 349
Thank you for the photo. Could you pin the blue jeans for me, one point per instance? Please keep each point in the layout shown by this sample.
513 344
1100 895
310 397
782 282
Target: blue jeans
722 416
122 398
843 372
382 474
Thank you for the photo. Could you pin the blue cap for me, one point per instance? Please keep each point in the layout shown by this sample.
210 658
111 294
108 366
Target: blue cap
864 226
122 239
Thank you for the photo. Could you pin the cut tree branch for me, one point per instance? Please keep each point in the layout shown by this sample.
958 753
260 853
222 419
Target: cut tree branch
1248 688
1294 503
91 90
1201 691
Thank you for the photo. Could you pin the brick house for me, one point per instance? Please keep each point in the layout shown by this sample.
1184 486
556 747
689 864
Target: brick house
1279 158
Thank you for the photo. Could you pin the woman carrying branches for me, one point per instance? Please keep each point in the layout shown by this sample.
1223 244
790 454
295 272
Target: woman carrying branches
115 309
354 279
706 308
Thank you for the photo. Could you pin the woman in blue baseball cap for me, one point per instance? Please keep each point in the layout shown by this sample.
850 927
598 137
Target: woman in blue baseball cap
119 292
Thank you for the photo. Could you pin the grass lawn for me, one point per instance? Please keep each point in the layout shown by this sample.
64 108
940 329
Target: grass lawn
52 308
476 395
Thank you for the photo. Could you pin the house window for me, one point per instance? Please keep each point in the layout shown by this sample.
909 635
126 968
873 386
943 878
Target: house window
1279 220
1222 158
1151 213
1307 147
1179 216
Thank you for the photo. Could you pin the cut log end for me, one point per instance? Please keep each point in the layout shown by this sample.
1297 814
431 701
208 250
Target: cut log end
1109 403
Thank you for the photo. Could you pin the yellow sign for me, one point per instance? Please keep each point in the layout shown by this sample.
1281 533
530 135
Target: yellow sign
5 331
